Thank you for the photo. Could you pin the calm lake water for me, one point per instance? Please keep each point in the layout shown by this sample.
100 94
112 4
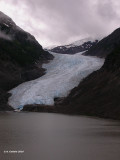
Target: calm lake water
46 136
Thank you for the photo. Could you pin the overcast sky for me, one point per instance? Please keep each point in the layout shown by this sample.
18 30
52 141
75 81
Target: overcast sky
56 22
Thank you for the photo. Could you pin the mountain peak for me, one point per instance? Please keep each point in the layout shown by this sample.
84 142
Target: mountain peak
76 47
6 20
82 41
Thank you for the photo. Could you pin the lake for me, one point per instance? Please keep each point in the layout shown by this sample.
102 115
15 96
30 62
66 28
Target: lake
46 136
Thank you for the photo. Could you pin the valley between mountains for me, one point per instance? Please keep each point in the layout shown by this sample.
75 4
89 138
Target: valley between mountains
81 78
63 73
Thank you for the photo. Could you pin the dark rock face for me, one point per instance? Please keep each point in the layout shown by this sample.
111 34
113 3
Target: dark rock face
3 99
21 56
106 45
72 49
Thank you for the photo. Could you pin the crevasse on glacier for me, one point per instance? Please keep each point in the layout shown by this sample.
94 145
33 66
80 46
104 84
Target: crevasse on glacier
62 75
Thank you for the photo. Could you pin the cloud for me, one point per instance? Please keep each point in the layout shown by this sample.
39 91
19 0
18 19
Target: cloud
4 36
63 21
107 10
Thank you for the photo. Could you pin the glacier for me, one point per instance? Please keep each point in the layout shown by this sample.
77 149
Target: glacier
63 73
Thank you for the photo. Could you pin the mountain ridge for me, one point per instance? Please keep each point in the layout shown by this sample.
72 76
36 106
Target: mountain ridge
75 47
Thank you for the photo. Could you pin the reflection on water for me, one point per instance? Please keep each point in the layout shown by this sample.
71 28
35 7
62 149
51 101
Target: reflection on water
44 136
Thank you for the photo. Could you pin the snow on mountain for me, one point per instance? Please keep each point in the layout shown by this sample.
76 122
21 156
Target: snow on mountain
62 75
75 47
80 42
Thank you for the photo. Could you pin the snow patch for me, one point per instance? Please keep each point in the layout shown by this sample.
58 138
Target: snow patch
6 25
63 73
80 42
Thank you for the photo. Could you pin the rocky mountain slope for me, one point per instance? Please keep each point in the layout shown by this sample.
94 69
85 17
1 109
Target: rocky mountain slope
106 45
21 56
76 47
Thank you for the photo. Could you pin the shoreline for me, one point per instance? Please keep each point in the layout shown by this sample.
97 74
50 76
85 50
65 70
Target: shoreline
59 110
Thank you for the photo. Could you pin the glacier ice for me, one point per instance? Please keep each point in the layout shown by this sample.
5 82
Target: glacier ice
63 73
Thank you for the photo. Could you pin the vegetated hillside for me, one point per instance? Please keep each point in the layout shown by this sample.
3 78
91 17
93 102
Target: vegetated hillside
99 93
21 56
106 45
76 47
